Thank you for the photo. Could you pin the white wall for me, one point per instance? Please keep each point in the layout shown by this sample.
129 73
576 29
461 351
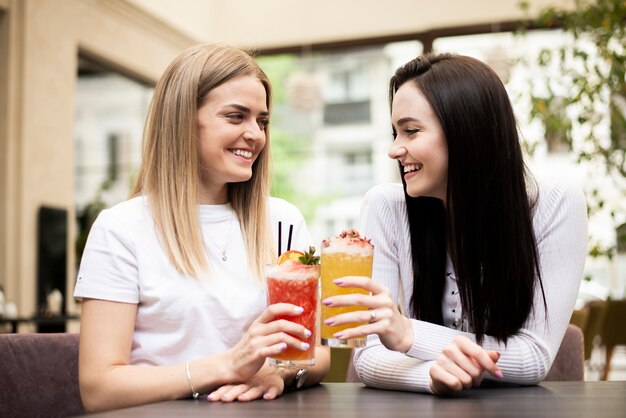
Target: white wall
279 23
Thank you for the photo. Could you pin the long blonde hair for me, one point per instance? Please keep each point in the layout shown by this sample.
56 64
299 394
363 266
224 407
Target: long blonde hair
169 172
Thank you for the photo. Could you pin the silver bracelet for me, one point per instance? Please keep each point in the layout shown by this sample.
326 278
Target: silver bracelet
193 391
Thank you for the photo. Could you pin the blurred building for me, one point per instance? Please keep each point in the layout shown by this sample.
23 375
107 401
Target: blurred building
76 77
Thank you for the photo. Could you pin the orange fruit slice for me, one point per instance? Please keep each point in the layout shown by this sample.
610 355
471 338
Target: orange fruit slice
290 255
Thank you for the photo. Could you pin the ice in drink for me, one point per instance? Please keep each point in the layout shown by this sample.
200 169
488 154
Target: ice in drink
347 254
298 284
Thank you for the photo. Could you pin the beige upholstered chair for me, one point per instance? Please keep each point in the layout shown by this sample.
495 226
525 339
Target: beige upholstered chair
569 361
39 375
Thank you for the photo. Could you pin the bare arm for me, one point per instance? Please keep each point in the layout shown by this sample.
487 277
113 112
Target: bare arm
108 381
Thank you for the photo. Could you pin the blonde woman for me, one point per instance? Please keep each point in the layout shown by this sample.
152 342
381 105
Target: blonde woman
174 303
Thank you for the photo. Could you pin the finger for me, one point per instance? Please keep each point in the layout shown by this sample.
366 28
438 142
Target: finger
283 325
279 309
479 355
359 299
443 381
451 367
272 393
216 395
277 343
495 356
361 282
365 322
358 317
234 392
251 394
464 362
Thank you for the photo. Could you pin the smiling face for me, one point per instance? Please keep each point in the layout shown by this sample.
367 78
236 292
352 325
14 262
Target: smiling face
232 122
420 144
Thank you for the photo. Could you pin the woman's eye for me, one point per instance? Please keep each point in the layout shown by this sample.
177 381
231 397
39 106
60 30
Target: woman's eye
238 117
394 134
410 132
263 123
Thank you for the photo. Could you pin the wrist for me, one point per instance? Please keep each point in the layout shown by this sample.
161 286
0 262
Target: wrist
287 375
295 379
228 369
407 340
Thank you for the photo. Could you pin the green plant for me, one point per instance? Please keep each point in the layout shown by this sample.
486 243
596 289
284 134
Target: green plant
583 104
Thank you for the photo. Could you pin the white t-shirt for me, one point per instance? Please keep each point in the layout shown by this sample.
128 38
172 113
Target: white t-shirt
179 318
560 226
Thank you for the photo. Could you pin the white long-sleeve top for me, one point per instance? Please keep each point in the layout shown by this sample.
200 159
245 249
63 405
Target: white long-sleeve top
560 226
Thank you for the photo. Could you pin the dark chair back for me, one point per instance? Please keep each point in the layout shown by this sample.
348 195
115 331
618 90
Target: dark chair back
579 318
613 331
614 328
39 375
595 322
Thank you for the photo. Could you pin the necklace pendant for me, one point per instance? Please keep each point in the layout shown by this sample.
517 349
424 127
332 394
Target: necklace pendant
224 258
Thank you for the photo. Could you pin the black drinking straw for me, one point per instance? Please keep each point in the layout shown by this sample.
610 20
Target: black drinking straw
289 240
280 236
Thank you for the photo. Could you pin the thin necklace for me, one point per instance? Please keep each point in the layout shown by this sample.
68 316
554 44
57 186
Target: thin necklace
223 250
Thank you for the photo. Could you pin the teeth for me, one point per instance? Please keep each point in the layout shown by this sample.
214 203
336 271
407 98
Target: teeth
411 167
242 153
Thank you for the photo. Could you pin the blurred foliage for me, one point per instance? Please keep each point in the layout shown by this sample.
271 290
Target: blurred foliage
86 216
290 151
588 95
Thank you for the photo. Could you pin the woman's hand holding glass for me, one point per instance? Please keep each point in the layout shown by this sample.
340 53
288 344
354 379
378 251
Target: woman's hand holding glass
383 317
265 337
461 366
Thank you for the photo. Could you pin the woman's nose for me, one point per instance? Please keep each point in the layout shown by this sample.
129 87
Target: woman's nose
254 132
396 151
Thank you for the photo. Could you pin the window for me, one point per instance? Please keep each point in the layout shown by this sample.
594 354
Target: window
347 97
110 116
357 172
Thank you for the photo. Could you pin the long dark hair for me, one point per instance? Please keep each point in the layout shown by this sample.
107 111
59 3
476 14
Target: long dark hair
486 223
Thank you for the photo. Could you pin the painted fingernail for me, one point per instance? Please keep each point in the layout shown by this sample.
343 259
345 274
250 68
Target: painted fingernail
305 346
327 301
499 374
307 333
329 321
299 309
283 346
338 335
338 281
211 397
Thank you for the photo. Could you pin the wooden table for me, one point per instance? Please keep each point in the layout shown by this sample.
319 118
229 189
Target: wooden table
346 400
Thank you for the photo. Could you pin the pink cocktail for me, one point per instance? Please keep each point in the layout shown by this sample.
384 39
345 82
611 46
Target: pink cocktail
298 284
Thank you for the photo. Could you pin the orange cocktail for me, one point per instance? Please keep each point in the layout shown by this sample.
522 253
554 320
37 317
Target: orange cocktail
347 254
297 284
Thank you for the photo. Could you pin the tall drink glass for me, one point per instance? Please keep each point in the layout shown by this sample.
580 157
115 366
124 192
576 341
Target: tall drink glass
347 254
297 284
